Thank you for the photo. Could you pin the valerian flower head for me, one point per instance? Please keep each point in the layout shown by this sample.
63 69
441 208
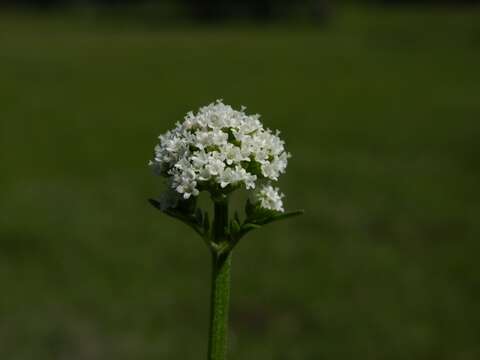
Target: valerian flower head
219 150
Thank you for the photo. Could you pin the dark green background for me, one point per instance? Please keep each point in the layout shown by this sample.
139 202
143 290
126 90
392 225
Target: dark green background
381 111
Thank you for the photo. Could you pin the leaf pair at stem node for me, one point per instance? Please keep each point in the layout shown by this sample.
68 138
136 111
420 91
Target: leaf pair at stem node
223 234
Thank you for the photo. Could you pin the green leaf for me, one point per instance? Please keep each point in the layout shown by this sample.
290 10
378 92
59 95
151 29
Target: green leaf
237 217
155 204
234 226
184 211
186 219
282 216
167 200
250 226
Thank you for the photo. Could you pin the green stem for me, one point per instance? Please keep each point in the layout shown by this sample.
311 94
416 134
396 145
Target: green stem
220 292
219 307
220 221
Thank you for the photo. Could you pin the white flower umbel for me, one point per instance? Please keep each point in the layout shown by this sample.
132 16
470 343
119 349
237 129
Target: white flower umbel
219 150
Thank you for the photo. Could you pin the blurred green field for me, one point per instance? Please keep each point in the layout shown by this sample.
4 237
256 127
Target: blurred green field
381 110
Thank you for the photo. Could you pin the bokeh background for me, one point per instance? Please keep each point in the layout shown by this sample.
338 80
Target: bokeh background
379 102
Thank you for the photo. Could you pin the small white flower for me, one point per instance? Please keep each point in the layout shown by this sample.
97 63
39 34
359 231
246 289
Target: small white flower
215 166
233 154
200 158
226 178
183 181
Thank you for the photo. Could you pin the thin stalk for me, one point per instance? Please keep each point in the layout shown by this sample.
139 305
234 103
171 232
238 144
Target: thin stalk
220 291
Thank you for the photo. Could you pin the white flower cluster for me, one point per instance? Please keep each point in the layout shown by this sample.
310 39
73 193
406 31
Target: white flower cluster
270 198
220 149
